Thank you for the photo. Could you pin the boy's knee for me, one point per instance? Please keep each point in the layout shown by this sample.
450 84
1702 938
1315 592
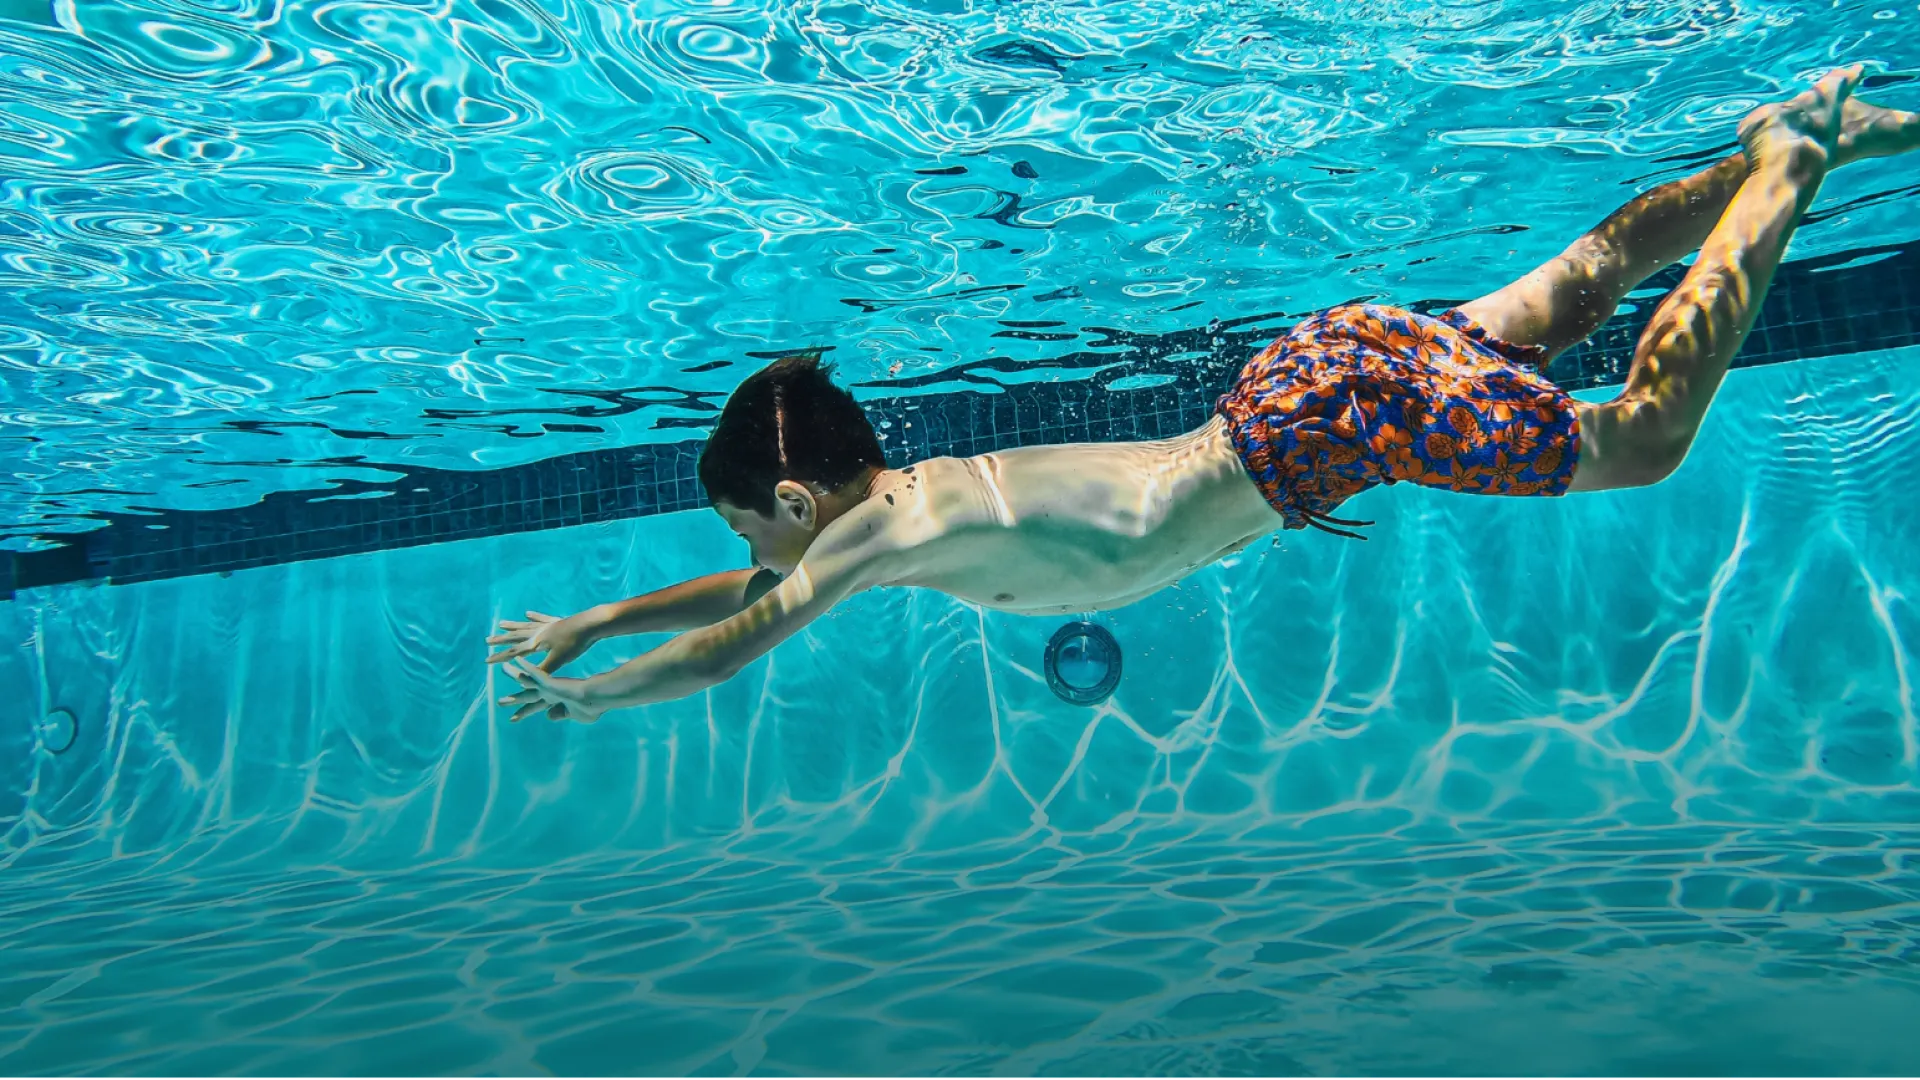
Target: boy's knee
1648 437
1657 457
1642 446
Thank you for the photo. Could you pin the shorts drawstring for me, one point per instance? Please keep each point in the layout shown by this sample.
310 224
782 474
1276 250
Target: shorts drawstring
1315 519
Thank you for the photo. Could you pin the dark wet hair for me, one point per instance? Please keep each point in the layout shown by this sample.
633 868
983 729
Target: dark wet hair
787 421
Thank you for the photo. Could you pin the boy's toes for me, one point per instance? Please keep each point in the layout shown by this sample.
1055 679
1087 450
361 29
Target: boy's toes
1838 84
1830 94
1806 128
1871 131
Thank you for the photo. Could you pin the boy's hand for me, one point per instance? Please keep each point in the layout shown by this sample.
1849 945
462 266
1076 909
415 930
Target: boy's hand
560 639
560 699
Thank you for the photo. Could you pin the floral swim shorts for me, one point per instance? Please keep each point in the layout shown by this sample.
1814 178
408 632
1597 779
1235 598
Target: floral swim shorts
1361 395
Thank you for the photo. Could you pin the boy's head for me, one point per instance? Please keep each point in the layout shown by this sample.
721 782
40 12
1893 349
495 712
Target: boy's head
791 452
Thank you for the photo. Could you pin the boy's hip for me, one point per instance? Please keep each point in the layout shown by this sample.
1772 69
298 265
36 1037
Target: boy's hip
1360 395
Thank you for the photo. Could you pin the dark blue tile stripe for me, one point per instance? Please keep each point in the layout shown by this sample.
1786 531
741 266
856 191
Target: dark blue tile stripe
1834 304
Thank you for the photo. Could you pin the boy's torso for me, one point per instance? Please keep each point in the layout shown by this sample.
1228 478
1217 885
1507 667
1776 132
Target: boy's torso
1053 529
1329 409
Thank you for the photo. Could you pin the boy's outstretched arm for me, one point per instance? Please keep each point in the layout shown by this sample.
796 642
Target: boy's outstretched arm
699 602
836 567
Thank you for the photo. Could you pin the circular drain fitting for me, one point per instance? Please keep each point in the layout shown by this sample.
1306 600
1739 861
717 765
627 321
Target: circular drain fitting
58 729
1082 664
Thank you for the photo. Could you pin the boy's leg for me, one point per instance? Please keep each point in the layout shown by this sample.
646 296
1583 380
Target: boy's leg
1562 301
1641 436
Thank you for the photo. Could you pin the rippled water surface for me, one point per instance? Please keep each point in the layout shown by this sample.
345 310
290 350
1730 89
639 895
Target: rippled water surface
1609 784
1624 783
245 245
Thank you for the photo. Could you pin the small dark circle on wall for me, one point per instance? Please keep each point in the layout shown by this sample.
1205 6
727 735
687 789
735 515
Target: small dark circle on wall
58 729
1082 664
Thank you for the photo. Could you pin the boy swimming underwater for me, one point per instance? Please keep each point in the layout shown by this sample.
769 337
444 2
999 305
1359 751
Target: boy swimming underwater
1350 398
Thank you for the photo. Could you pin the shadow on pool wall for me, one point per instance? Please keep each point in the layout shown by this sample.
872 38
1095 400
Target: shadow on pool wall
1735 645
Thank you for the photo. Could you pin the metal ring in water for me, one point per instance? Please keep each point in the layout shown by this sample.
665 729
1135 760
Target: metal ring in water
58 729
1082 664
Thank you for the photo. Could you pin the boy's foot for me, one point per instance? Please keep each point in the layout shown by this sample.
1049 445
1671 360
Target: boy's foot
1800 134
1870 131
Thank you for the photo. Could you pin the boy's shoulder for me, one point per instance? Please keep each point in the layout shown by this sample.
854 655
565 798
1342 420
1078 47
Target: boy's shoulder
909 506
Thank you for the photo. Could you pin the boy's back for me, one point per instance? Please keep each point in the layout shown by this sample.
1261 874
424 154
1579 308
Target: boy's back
1053 528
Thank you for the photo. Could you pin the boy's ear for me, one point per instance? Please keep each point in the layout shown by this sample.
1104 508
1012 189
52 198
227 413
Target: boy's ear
792 499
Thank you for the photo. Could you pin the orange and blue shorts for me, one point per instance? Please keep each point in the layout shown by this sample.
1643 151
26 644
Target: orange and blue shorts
1361 395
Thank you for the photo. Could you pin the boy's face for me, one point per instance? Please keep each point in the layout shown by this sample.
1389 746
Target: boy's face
777 541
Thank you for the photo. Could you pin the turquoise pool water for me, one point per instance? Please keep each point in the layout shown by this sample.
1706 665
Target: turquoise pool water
1612 784
246 245
1609 784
